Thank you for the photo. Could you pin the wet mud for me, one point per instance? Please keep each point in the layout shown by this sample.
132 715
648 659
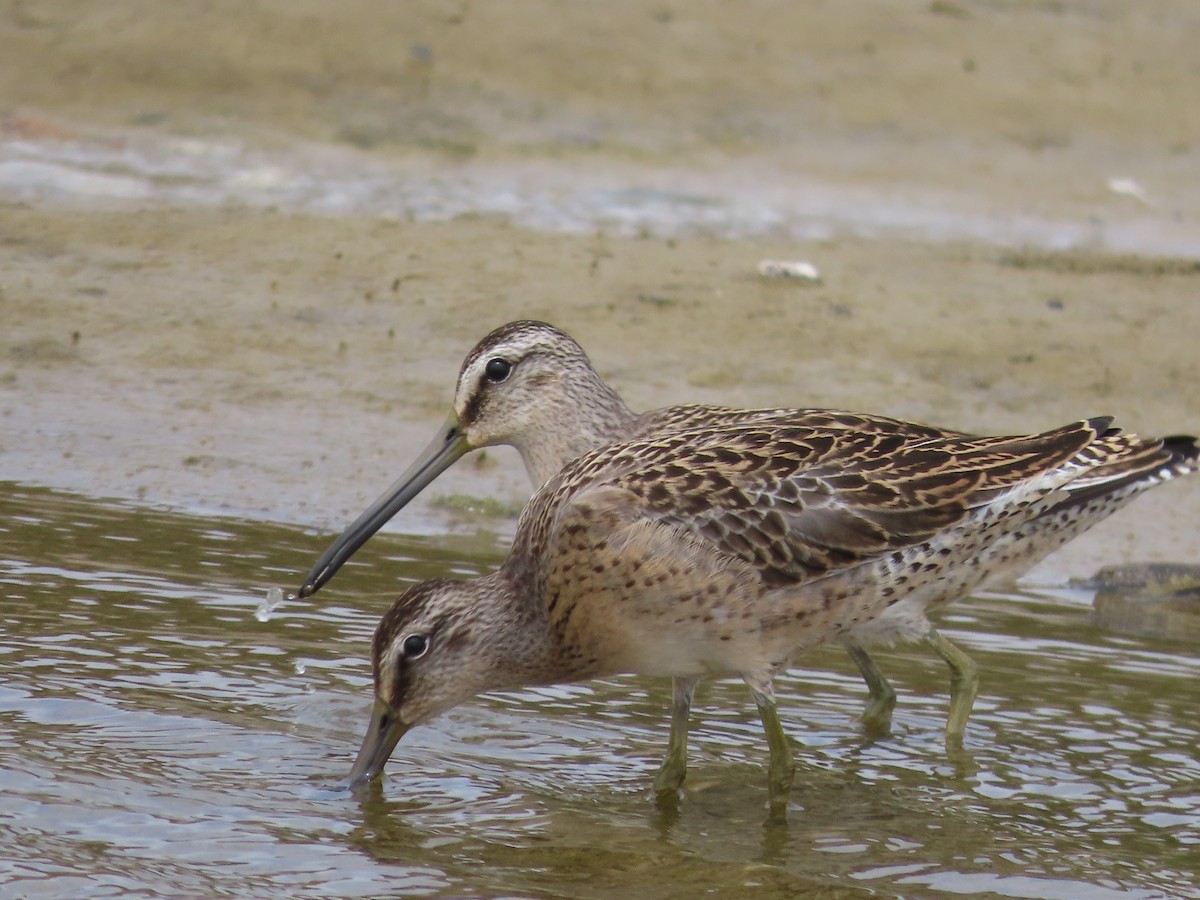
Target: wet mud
245 248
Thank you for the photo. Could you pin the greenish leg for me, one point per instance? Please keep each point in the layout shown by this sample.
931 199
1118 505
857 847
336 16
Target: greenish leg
964 685
878 714
674 768
782 768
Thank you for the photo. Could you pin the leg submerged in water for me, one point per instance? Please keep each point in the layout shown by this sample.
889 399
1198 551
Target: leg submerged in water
674 768
964 685
781 769
878 714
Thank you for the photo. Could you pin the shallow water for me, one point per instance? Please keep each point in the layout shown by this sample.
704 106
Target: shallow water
158 739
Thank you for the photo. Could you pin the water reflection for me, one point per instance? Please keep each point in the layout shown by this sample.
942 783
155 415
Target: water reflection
158 737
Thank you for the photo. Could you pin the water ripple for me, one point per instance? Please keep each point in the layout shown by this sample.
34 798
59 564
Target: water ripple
157 737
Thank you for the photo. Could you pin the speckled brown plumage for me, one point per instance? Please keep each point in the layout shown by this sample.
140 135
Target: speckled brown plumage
553 406
722 550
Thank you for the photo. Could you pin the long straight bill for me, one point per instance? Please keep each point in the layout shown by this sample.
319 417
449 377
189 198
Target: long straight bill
441 453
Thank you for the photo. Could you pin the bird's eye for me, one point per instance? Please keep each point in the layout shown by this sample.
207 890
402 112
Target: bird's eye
415 646
497 370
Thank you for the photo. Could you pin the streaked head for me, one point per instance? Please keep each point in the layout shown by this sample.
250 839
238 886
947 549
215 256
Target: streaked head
435 648
526 384
519 381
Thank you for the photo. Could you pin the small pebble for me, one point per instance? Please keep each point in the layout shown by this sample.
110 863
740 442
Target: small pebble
1157 600
799 269
1127 187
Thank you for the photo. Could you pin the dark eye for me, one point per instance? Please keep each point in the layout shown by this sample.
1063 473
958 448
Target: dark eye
415 646
497 370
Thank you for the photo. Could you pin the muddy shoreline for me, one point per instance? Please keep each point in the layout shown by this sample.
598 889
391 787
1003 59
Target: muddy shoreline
198 313
293 379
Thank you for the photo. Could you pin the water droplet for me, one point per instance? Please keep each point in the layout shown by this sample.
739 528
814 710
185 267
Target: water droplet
273 599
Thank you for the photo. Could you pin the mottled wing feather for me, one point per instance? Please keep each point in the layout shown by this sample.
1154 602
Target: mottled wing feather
798 502
1130 461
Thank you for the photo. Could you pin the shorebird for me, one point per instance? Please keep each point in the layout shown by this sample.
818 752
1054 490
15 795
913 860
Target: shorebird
726 550
530 385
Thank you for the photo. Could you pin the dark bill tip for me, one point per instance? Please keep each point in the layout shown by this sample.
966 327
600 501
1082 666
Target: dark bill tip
383 733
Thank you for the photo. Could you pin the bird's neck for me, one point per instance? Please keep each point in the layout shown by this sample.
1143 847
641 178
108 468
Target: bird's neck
590 416
527 647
